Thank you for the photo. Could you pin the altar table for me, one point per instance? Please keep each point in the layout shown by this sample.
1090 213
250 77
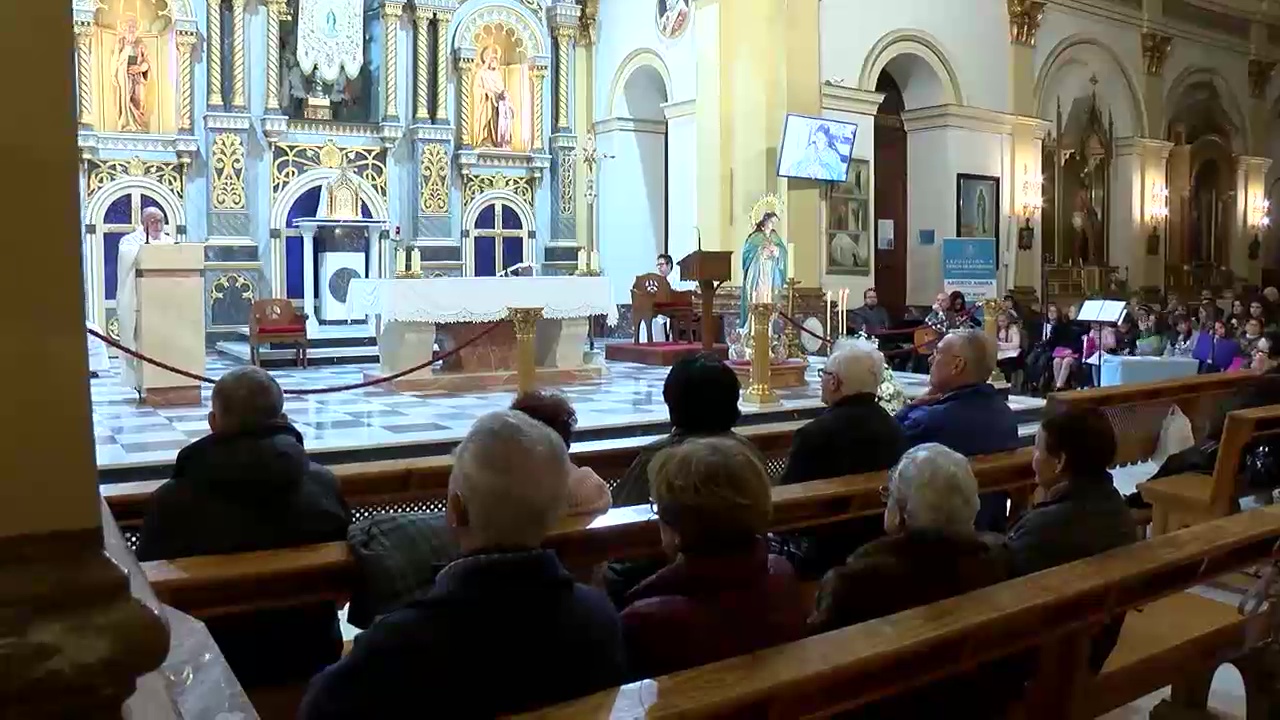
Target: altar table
1121 370
417 315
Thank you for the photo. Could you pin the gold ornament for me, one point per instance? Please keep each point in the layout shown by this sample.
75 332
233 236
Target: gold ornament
228 172
330 155
435 180
566 183
100 173
229 282
289 160
474 185
766 204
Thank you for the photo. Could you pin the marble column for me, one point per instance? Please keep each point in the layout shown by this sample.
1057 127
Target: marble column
539 75
391 13
441 109
275 12
464 100
1252 191
84 74
213 54
75 639
1179 179
422 64
1024 25
564 49
238 97
186 108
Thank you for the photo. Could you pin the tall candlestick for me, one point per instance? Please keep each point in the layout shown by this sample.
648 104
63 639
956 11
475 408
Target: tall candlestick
399 260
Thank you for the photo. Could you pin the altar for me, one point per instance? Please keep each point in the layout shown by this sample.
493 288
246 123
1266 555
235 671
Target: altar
415 317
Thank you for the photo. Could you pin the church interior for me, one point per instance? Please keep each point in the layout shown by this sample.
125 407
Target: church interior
414 213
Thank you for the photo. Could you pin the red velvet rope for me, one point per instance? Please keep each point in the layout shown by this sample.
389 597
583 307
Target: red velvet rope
830 343
304 391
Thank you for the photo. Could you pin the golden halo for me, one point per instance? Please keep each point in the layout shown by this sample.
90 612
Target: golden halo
768 203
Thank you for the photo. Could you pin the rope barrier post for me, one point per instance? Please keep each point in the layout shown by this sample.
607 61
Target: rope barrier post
990 307
526 323
759 392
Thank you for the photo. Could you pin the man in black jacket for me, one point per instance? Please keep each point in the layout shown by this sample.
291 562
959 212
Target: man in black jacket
249 485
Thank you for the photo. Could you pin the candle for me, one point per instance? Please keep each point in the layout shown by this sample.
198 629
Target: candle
399 260
415 258
791 261
582 261
826 313
595 260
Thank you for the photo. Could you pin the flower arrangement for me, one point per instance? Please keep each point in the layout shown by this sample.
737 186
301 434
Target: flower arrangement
890 395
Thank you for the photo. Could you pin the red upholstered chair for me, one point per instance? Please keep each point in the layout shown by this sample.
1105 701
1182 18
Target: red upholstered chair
278 321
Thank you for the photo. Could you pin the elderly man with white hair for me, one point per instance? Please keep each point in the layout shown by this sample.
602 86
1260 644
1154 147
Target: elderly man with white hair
963 411
931 553
854 435
506 610
151 233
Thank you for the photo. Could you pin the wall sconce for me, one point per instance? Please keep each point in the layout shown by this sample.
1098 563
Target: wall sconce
1032 192
1157 214
1259 220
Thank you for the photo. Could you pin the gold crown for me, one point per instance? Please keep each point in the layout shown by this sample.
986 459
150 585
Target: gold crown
768 203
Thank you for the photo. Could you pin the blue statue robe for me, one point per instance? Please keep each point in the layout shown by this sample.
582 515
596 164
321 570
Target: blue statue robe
764 271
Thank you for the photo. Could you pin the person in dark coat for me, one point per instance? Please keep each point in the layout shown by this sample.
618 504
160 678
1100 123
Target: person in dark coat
505 629
853 436
871 318
723 595
1040 358
964 412
931 553
249 485
1082 513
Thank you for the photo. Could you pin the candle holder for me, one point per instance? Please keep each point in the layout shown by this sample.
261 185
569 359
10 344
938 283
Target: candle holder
759 391
792 335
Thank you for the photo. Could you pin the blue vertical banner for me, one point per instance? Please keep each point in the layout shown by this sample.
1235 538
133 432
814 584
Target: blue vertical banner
969 265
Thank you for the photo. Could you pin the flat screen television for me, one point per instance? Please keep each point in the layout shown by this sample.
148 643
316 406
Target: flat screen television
816 148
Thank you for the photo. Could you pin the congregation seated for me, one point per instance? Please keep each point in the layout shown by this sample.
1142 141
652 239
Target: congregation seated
1040 358
1066 345
249 485
1081 514
723 594
963 411
506 610
931 553
588 494
701 393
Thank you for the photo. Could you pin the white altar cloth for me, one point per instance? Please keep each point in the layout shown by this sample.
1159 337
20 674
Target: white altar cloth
480 299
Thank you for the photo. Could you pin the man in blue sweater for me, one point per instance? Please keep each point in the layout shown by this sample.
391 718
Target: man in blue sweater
964 412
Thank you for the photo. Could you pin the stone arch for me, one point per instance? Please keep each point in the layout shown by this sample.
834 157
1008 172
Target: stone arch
530 34
169 201
912 47
1062 54
472 215
319 176
642 60
1231 104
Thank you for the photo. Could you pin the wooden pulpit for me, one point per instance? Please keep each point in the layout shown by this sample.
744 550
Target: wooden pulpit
707 267
170 322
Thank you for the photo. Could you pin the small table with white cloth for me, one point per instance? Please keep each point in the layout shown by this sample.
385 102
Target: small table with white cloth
414 316
1124 370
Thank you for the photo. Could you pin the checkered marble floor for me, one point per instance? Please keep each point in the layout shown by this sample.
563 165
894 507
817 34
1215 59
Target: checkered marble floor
630 396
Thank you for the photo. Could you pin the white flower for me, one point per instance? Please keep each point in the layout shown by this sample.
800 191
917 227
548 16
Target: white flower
891 396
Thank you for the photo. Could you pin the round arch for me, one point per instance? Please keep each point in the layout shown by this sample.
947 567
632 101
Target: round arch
168 200
1059 54
468 22
472 216
637 59
908 41
1230 101
319 176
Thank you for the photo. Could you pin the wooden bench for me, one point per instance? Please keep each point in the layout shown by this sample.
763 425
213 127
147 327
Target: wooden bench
217 584
1170 638
1181 500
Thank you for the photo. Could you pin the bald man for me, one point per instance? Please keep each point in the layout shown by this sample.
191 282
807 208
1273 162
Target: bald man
151 232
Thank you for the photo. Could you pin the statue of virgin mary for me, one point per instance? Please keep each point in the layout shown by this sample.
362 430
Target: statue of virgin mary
764 266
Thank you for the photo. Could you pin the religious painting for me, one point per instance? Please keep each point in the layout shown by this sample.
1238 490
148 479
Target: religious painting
977 206
501 95
848 212
135 82
672 17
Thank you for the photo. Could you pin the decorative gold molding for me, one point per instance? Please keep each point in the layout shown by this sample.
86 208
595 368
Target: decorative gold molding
421 63
1024 21
587 22
100 173
213 53
564 44
539 77
1260 77
289 160
464 100
441 114
84 72
227 163
566 183
238 100
475 185
435 180
275 10
391 13
186 110
232 281
1155 52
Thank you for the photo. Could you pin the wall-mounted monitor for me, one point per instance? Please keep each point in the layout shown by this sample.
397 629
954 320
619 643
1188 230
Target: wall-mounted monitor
816 148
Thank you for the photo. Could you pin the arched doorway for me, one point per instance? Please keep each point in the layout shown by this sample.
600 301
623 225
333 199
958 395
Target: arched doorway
891 196
500 236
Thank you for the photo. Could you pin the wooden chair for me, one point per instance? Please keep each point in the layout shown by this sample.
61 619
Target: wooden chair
651 295
278 321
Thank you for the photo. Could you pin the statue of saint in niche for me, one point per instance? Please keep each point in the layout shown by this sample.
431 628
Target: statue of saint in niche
132 72
495 114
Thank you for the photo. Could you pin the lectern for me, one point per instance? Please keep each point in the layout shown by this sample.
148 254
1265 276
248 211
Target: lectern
707 267
170 321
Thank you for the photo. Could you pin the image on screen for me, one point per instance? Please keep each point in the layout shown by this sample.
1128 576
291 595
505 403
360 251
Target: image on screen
816 148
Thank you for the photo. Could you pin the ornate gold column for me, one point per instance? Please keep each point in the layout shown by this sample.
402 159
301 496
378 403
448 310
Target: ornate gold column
275 12
84 73
237 55
186 112
464 100
391 13
526 324
564 47
539 75
421 68
759 391
441 110
213 54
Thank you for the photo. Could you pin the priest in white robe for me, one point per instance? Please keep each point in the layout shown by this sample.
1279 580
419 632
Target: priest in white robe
152 231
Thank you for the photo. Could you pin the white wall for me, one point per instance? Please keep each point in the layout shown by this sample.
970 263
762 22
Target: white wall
626 27
632 206
682 180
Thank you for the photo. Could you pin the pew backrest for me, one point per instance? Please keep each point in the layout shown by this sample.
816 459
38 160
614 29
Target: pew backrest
1242 429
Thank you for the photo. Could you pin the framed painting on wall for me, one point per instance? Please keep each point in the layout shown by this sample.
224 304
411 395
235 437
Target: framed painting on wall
977 206
848 216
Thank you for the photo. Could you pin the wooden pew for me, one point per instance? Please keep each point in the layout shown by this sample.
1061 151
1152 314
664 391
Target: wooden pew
213 585
1181 500
1053 613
